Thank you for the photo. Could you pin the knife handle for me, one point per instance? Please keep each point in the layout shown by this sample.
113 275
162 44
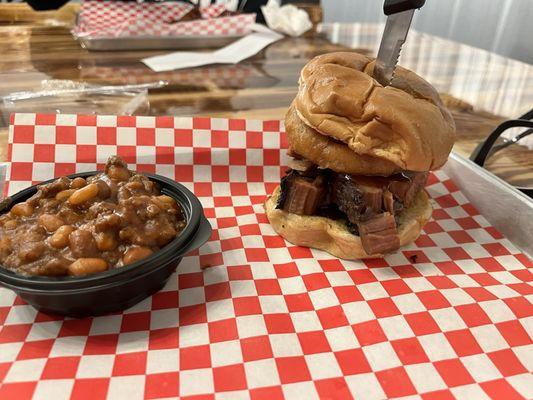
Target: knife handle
397 6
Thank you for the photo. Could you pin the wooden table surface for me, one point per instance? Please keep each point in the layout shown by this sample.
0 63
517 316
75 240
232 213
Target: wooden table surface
39 54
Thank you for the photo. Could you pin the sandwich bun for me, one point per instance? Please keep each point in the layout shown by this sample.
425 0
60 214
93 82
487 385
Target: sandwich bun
404 126
333 236
327 153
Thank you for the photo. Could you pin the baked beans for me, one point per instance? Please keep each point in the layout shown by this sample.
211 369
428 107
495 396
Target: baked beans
88 225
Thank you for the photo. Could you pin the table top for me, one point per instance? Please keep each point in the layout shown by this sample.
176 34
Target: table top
481 89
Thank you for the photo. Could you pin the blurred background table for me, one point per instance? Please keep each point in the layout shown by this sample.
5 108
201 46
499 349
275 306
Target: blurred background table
481 88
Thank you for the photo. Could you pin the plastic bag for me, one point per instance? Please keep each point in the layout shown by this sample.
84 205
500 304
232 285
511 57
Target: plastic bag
65 96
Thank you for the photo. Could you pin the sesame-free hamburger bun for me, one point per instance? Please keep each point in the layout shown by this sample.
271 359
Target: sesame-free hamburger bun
400 127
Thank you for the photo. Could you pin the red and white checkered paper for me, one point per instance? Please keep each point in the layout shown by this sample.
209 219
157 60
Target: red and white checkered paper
111 19
212 11
447 317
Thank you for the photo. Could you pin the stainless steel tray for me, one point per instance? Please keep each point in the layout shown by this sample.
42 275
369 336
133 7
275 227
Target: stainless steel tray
506 208
156 42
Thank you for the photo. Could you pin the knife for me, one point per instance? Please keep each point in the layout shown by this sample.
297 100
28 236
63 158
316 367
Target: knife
399 15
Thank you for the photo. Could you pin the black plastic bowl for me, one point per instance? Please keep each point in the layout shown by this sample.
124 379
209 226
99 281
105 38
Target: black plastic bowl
115 289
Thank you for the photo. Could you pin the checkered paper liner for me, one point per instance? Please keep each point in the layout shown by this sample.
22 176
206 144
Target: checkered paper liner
212 11
112 19
446 317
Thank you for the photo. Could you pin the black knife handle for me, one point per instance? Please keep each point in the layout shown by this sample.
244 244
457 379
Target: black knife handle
396 6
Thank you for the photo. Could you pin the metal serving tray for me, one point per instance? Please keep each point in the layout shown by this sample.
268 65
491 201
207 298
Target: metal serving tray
506 208
156 42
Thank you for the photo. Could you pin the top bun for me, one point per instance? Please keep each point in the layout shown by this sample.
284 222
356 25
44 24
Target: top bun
405 124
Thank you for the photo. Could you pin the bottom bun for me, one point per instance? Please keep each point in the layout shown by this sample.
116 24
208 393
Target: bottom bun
333 236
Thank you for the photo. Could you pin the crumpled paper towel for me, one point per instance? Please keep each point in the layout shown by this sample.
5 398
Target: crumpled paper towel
287 19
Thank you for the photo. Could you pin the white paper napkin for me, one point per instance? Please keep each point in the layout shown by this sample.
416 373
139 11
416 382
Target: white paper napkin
231 54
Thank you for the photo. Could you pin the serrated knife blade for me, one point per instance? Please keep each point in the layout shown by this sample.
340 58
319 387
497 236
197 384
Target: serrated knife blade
394 35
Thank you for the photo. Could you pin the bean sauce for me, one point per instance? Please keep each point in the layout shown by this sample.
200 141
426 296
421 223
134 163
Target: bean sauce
85 226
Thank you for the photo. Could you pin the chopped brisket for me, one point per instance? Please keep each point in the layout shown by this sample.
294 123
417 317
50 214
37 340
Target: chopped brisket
304 197
369 204
349 199
372 191
388 201
285 185
307 188
301 194
407 189
379 234
358 197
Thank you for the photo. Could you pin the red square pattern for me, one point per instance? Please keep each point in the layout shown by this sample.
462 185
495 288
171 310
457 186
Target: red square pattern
334 388
352 362
195 357
507 362
220 331
267 393
75 327
167 338
453 372
268 313
101 344
256 348
248 305
396 382
228 378
17 390
60 368
314 342
409 351
501 389
161 385
292 369
90 388
36 349
130 364
463 342
369 333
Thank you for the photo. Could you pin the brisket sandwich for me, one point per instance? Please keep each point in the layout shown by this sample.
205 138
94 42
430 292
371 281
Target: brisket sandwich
361 154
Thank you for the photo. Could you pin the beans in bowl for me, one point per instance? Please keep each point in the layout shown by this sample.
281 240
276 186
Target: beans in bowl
84 226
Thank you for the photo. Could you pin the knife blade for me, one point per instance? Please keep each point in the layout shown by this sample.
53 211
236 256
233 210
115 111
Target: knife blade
399 16
396 29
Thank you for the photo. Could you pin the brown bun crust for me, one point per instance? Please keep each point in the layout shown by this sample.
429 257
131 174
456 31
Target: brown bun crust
333 236
405 124
328 153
